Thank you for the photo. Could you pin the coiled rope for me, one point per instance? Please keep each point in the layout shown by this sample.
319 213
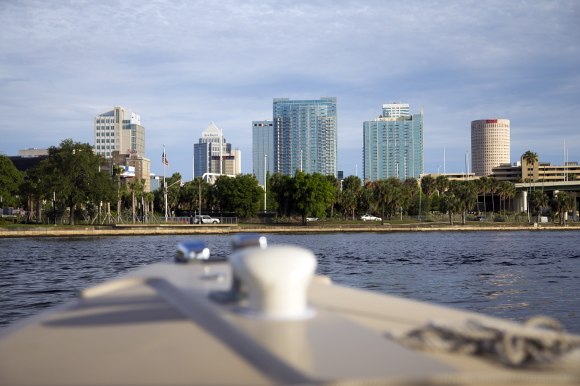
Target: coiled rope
540 341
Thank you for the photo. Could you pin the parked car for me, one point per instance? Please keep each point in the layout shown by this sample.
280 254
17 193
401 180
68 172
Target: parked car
480 218
368 217
311 218
206 220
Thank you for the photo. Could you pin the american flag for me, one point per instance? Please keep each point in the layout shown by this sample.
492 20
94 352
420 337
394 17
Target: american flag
182 184
164 159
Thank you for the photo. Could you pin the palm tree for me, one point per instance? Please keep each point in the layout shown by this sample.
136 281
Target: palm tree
381 194
466 192
503 191
539 201
411 187
442 183
449 203
562 204
482 185
493 185
530 158
428 186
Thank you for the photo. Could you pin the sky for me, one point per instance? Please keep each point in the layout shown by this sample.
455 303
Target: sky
181 65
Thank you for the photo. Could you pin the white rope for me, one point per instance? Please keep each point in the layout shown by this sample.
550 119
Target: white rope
541 340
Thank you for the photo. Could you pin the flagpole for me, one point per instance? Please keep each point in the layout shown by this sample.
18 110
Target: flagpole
164 186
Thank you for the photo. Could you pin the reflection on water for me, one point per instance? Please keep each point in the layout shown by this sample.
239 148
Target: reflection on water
512 275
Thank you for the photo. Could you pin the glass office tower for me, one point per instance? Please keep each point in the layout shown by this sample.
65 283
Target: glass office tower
393 147
262 144
305 136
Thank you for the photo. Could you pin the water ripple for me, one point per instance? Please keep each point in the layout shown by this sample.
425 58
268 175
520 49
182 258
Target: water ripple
512 275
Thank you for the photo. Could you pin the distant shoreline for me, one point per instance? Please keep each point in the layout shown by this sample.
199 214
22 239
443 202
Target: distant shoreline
154 230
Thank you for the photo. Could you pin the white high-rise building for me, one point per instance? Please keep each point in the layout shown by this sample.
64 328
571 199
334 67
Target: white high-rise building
395 110
490 145
262 145
119 129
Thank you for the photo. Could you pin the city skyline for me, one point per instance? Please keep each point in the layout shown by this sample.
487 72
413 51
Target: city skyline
463 61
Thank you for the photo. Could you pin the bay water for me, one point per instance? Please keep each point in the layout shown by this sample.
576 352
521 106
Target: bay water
510 275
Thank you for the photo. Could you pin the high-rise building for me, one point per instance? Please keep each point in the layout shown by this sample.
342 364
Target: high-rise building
393 146
305 136
395 110
490 145
262 145
119 129
213 155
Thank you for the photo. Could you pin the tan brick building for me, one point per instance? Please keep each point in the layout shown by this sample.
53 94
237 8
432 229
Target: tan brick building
141 164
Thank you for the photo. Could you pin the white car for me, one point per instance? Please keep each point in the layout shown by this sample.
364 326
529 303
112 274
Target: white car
368 217
206 220
311 218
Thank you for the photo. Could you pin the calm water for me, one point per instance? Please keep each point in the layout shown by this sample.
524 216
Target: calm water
511 275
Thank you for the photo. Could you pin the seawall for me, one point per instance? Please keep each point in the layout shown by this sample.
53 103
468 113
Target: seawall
152 230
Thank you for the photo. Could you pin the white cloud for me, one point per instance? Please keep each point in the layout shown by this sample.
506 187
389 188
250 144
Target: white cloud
181 65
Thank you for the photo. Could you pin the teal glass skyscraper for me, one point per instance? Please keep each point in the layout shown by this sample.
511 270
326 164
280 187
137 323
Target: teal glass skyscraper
305 136
393 147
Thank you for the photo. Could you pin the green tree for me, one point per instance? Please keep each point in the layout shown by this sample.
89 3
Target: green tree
483 186
428 186
173 190
353 185
563 203
283 189
539 201
396 196
335 192
240 194
493 185
137 194
271 203
466 193
73 170
348 202
503 191
442 182
366 198
530 158
411 186
313 194
449 204
10 180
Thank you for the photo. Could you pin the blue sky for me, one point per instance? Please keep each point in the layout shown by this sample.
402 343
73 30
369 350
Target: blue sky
183 64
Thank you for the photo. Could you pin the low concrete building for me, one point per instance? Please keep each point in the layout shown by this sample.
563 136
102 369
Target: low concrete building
452 176
538 172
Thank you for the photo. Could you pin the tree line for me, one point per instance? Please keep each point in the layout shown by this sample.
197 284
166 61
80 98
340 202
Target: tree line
74 172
